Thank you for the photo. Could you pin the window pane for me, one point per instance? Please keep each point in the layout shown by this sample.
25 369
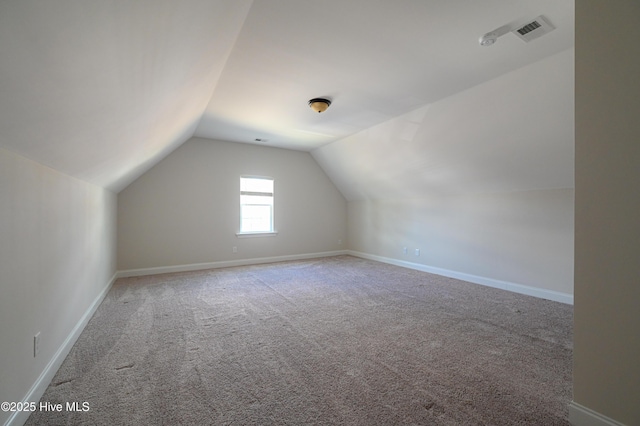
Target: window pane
255 218
256 204
256 185
256 199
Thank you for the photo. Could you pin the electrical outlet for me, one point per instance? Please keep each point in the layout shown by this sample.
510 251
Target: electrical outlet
339 242
417 252
404 250
235 249
36 344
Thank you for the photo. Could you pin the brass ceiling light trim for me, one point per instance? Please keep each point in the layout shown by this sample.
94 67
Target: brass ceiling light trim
319 104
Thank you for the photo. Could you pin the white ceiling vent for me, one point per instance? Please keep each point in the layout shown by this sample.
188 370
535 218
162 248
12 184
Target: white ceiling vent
534 29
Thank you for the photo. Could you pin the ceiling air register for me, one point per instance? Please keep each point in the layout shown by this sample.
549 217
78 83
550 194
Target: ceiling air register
527 32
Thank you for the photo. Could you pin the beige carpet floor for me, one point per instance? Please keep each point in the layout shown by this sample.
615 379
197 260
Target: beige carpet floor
338 340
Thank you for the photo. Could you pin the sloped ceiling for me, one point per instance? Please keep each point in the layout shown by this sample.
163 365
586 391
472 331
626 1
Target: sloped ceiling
512 133
103 90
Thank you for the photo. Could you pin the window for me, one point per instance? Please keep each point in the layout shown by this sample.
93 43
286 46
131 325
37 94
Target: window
256 205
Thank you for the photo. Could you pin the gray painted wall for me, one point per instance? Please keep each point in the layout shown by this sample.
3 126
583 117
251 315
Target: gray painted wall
185 210
607 205
57 254
523 238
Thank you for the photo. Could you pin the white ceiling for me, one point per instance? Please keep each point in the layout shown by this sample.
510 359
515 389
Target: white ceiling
103 90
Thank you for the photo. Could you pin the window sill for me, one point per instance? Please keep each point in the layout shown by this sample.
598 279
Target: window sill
256 234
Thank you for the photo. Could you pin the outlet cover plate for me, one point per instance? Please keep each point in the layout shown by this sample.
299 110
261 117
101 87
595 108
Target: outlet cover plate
36 344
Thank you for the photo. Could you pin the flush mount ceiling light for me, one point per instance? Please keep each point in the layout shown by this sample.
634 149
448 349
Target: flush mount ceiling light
319 104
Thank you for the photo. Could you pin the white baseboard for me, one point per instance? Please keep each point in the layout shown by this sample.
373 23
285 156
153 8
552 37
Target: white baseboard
580 415
490 282
224 264
37 390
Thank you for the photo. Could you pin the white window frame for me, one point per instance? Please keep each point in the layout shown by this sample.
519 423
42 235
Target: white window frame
272 231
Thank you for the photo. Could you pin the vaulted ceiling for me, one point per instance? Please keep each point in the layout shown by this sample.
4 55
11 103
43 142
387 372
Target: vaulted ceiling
103 90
